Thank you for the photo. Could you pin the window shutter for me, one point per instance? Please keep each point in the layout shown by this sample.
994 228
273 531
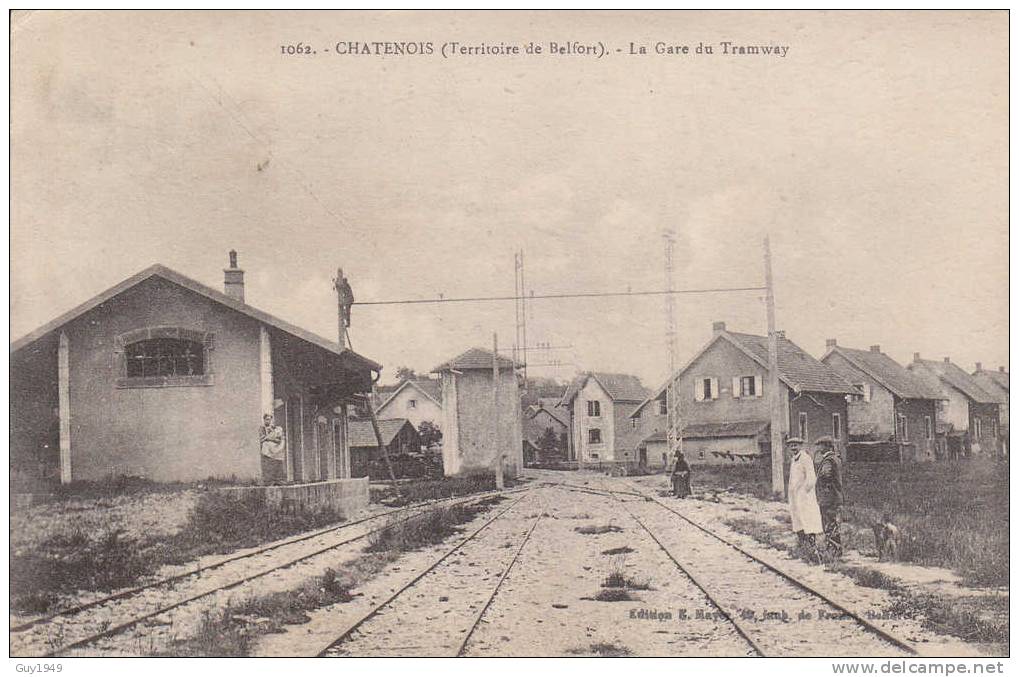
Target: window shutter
698 390
714 388
736 392
758 386
866 392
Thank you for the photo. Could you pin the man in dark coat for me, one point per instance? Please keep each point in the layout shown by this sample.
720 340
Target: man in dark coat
681 477
829 493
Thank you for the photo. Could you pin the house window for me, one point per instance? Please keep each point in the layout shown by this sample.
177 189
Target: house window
594 455
903 427
706 389
663 407
748 386
633 421
928 429
593 408
836 426
165 357
594 436
803 426
412 404
865 389
976 427
994 428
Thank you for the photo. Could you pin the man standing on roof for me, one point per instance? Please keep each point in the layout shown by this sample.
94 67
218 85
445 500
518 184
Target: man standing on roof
829 494
346 299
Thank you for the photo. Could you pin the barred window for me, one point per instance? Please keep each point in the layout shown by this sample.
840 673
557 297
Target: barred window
165 357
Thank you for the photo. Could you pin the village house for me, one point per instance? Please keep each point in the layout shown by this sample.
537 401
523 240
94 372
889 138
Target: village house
472 421
599 406
723 404
895 415
969 415
163 377
399 436
541 420
416 400
996 383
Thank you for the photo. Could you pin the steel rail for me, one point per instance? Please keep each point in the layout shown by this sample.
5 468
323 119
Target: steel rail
491 598
693 579
881 632
71 611
126 625
389 600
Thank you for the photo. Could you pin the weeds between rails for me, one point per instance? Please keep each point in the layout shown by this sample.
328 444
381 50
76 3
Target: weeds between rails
978 618
233 631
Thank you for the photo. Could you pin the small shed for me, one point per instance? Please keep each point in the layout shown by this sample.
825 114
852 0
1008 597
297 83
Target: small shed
398 435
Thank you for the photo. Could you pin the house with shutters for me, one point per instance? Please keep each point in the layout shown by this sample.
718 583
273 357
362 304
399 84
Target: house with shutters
163 377
895 415
416 400
723 405
996 383
599 405
969 415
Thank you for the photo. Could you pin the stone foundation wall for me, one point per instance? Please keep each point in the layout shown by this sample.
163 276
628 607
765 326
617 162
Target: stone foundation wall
348 497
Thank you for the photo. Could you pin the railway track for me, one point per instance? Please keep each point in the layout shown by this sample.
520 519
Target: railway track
334 647
86 616
783 586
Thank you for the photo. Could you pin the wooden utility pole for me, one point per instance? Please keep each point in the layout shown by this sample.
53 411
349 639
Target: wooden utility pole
496 451
774 391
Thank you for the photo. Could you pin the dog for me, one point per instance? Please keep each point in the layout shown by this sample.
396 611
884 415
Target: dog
886 537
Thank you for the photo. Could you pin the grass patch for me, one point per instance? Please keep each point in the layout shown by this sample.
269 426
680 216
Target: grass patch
417 491
106 560
427 529
603 649
615 595
234 631
753 479
952 514
602 529
623 550
982 618
618 579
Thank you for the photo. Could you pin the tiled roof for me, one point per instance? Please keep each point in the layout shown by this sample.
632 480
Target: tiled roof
889 373
729 429
475 358
795 366
186 282
960 380
431 387
620 387
997 378
361 433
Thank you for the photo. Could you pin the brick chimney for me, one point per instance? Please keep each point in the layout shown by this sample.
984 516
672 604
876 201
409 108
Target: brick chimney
233 279
1001 369
780 333
978 367
875 349
717 327
947 360
916 357
830 343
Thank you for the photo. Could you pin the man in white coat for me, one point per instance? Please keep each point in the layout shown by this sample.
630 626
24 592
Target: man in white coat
803 509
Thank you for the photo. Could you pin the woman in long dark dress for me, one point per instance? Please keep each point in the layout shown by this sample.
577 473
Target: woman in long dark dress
681 477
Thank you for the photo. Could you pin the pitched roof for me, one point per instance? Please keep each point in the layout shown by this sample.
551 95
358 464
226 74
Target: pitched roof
174 277
796 368
991 379
361 433
889 373
429 387
730 429
536 409
620 387
715 430
954 376
475 358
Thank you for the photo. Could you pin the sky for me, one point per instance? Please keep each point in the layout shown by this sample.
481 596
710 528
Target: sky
874 155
